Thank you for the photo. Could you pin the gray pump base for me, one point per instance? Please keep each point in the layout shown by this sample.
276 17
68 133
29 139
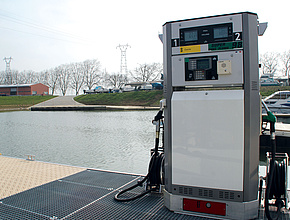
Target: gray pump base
234 210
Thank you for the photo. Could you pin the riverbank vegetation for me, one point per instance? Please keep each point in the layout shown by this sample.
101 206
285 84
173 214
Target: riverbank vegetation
146 98
136 98
84 75
21 102
268 90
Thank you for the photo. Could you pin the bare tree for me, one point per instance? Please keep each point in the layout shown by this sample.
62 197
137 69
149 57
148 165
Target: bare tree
91 70
21 77
52 79
2 77
270 63
29 76
17 77
77 76
116 80
147 72
64 78
42 77
285 58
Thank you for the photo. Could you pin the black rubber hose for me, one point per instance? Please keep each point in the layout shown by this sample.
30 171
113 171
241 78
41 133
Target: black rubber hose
275 183
154 173
278 184
275 187
153 178
129 189
269 191
271 173
260 194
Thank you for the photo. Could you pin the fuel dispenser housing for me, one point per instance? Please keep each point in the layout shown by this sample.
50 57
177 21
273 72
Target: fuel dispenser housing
212 115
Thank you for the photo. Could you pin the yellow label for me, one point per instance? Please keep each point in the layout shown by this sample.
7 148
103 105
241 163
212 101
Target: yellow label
190 49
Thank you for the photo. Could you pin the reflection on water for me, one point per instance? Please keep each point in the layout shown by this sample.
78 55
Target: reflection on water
117 140
110 140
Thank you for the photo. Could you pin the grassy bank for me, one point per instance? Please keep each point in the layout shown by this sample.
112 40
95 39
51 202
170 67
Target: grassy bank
20 102
146 98
136 98
268 90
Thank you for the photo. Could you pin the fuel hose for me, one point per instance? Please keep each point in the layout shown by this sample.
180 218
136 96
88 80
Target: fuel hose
275 188
153 178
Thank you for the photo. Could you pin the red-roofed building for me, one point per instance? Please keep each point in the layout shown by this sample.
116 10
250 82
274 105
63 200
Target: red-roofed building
24 89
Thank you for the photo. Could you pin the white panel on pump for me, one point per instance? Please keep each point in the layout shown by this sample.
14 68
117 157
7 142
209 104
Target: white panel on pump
224 67
208 139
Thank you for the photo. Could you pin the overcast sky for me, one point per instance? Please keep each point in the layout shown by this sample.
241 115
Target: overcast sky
42 34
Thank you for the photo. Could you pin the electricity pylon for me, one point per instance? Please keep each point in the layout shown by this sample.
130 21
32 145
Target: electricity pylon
8 70
123 48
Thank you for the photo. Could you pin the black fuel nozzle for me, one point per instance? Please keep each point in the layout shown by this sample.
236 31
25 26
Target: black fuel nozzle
159 116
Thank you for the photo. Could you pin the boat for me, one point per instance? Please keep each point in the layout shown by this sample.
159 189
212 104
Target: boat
98 89
279 102
266 80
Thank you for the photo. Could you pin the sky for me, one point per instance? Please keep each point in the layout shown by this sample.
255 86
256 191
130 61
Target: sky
43 34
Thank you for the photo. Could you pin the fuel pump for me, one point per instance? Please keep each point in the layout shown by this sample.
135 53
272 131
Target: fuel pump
212 116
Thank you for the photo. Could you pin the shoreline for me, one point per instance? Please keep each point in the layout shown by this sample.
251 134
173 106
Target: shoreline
90 108
14 109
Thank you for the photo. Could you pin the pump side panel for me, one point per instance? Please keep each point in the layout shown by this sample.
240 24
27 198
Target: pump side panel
208 139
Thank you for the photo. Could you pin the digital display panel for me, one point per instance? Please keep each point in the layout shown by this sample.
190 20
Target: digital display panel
203 64
190 35
201 68
220 32
208 34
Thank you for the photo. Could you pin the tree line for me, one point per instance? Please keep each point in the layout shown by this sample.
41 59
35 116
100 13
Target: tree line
88 74
82 75
273 63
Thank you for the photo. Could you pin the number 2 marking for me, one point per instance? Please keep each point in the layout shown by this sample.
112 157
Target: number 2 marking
238 36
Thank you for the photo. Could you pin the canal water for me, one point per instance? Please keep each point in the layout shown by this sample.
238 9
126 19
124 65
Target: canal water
109 140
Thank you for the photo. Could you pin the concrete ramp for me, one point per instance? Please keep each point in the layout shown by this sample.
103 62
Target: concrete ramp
67 103
59 101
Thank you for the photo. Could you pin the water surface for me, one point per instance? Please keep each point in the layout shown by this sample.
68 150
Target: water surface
110 140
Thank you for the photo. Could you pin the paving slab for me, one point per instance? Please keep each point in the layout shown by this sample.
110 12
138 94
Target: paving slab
18 175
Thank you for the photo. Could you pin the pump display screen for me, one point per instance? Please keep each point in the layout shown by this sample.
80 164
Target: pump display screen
220 32
206 34
203 64
190 35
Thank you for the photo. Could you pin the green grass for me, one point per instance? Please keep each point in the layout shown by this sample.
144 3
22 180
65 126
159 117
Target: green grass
136 98
14 102
146 98
268 90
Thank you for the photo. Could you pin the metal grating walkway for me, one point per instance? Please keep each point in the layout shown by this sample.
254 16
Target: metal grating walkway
85 195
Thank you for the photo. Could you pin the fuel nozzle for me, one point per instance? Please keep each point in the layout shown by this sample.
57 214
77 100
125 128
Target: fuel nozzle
270 117
159 116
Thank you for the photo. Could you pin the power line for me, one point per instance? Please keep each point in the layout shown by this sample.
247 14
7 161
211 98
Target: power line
39 35
24 21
